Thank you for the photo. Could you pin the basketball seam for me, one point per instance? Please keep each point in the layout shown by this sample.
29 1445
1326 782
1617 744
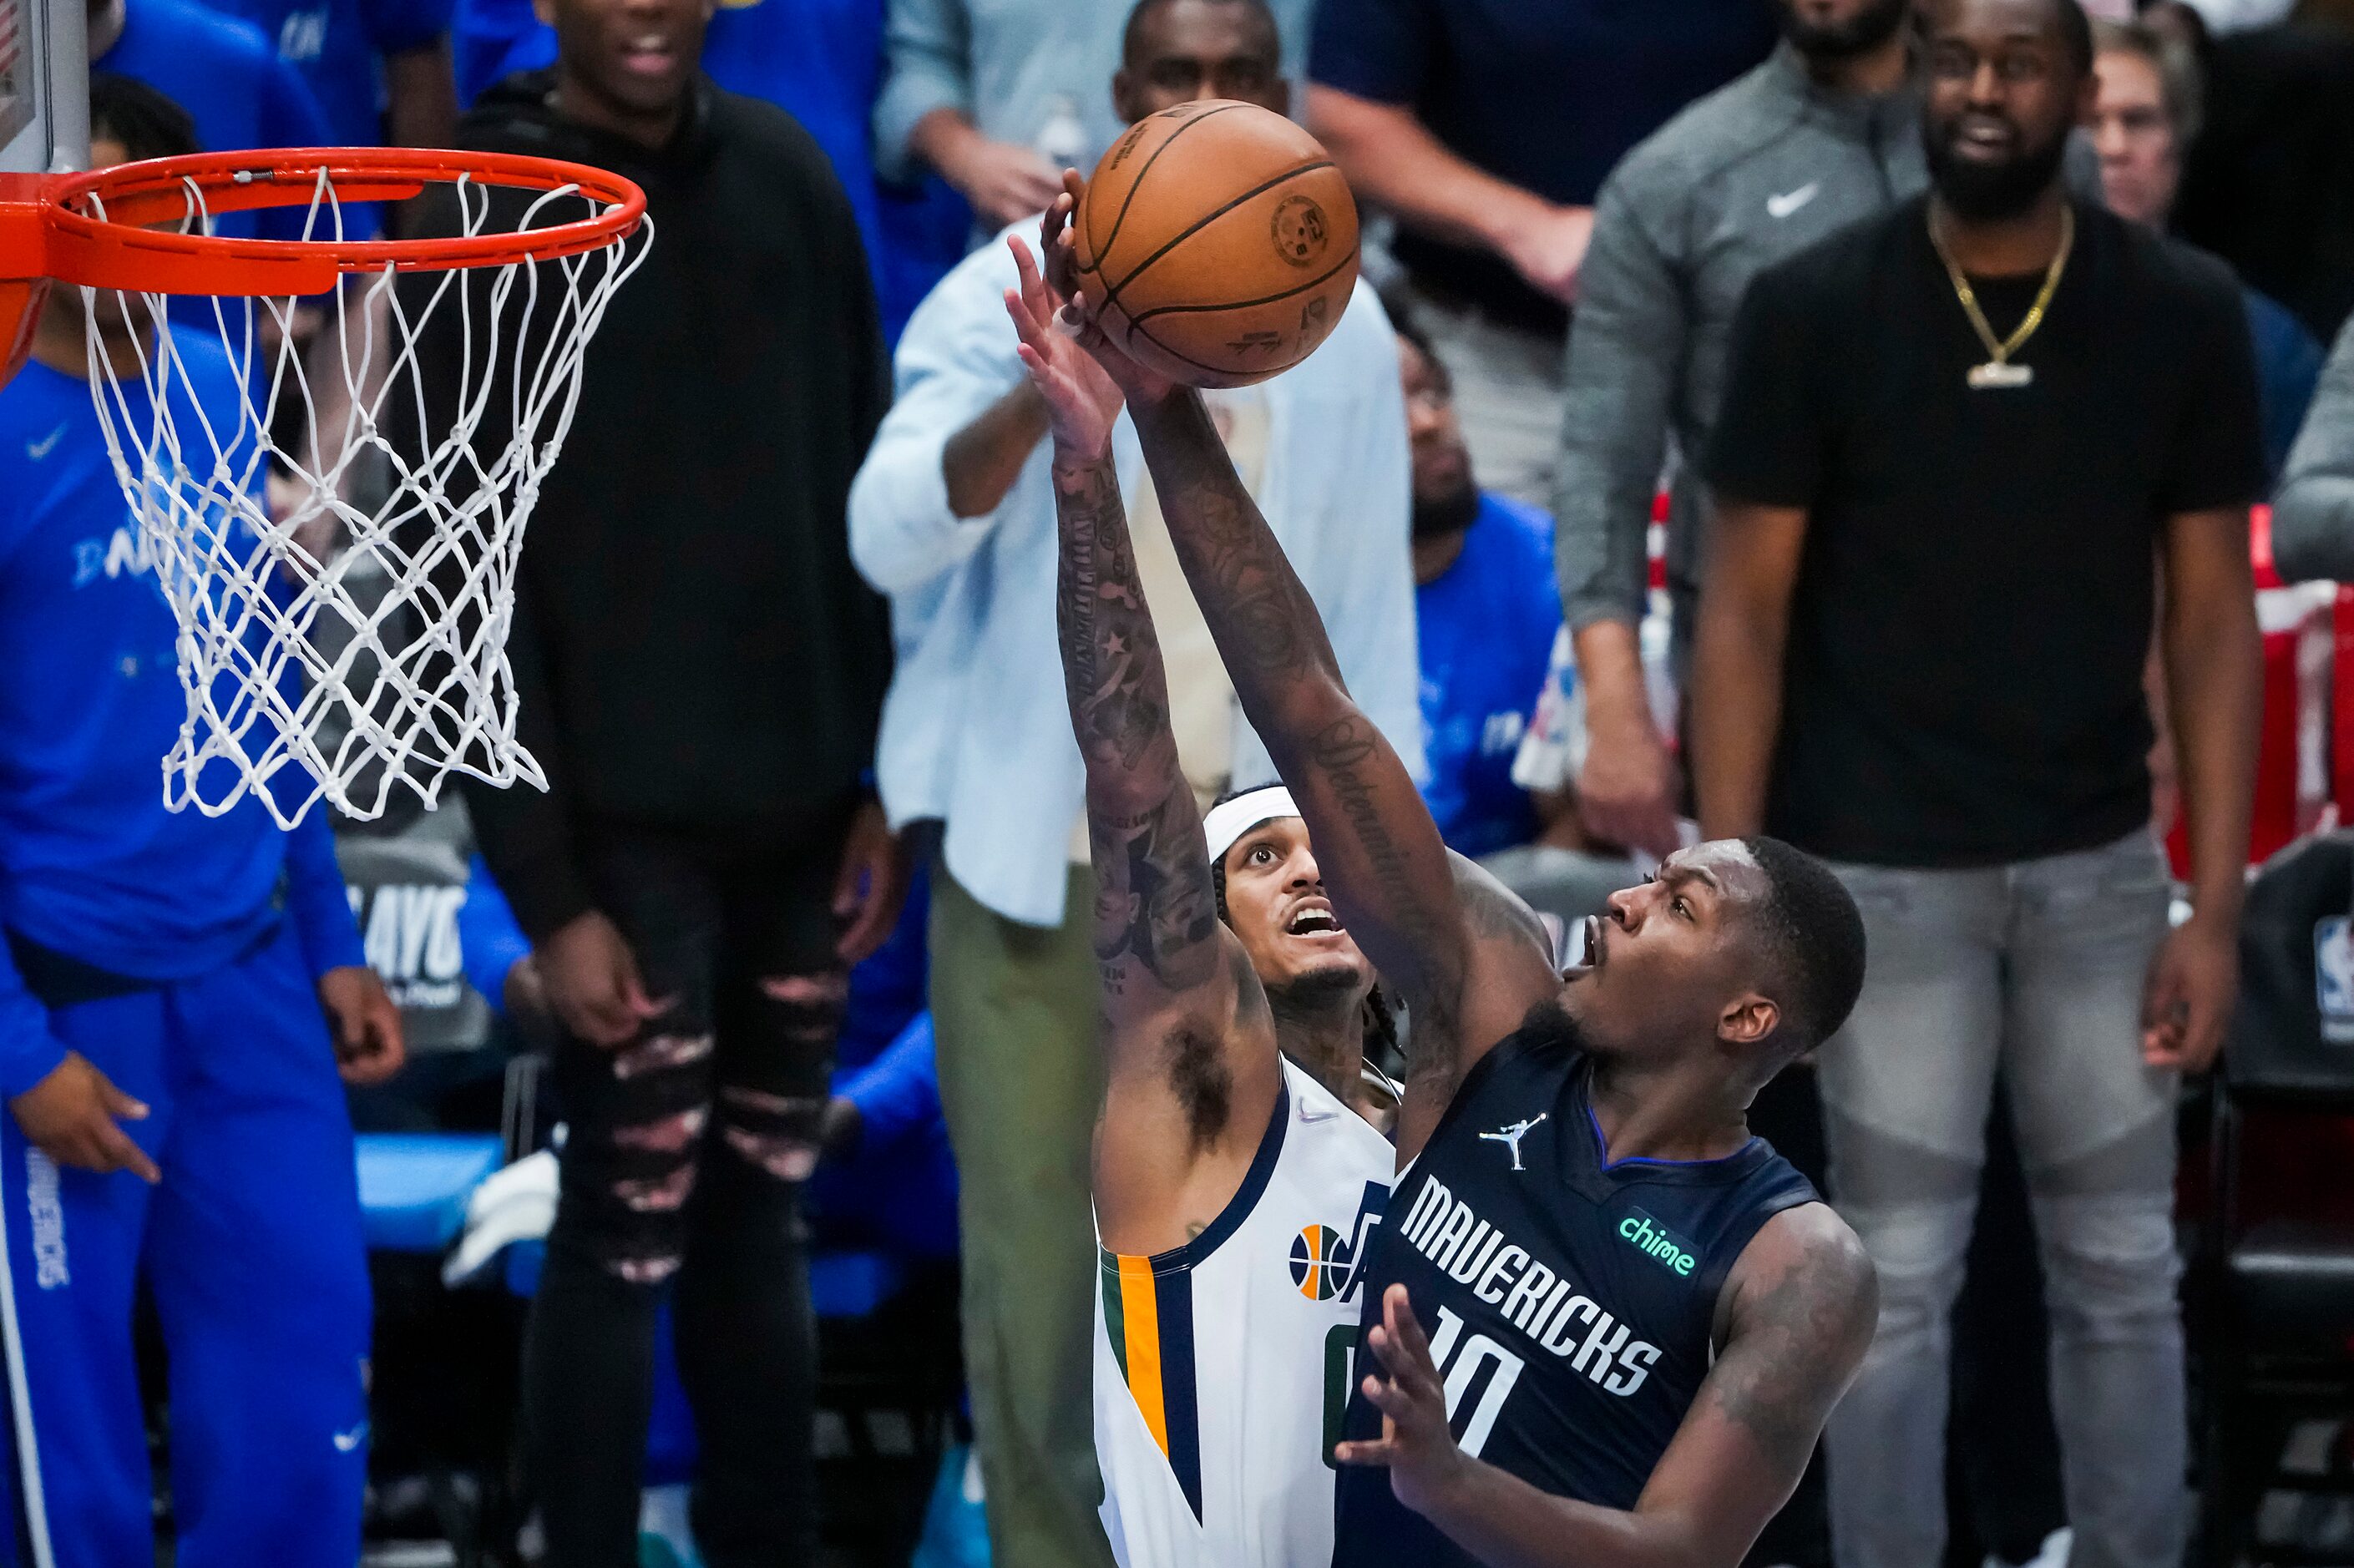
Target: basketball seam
1103 251
1112 295
1316 283
1213 369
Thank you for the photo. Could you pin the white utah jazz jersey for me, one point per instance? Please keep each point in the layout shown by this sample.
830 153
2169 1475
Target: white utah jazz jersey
1221 1367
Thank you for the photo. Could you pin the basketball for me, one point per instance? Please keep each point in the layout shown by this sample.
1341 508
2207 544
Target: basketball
1217 242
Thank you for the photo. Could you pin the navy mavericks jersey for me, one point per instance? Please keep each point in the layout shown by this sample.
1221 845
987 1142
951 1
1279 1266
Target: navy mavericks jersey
1568 1300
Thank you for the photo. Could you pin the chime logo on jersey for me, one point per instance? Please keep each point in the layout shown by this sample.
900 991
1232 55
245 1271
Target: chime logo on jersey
1327 1261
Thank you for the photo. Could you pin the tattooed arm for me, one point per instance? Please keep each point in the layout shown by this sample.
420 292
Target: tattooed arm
1798 1313
1191 1072
1469 958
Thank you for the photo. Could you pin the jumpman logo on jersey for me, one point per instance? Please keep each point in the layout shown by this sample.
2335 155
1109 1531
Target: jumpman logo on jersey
1511 1136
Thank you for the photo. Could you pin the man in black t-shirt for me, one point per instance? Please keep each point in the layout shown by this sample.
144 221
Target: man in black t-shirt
1960 446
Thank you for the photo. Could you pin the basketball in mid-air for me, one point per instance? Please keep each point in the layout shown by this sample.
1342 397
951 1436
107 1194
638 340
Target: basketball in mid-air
1217 243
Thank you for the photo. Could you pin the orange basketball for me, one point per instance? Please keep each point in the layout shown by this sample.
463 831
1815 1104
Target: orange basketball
1217 242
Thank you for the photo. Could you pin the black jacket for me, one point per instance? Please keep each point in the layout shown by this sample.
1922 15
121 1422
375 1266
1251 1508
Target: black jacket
691 647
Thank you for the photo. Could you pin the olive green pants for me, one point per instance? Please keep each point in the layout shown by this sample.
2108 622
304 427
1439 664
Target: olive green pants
1014 1014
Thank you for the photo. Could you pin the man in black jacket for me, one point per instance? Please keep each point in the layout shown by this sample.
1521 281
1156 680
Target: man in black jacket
699 672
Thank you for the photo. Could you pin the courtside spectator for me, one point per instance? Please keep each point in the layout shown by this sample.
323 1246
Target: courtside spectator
2313 516
2269 184
2147 114
379 68
1485 616
699 672
1928 604
1486 127
175 994
1822 134
1001 96
821 62
953 515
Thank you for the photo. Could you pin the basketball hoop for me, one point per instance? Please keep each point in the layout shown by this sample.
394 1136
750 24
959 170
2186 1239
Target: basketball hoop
340 555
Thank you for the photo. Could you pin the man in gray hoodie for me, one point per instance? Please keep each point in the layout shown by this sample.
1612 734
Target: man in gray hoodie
2313 516
1823 133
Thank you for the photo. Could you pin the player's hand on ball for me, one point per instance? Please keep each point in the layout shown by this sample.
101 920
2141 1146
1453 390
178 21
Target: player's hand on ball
1058 259
1416 1445
72 1116
1082 400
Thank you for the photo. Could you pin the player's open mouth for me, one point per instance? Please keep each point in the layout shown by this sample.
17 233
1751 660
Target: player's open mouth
1313 919
1590 949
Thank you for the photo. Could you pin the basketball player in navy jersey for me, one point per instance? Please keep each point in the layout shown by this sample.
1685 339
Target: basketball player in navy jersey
1638 1315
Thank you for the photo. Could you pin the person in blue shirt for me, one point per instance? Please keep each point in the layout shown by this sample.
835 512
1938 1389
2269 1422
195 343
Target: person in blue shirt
1486 611
231 83
380 69
888 1179
167 991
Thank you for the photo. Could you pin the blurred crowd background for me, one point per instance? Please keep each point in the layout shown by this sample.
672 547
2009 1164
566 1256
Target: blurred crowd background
786 646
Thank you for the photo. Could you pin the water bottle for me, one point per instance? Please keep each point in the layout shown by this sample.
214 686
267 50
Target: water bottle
1063 140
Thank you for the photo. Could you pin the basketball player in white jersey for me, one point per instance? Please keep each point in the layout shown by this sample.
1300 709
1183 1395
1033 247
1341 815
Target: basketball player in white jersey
1235 1175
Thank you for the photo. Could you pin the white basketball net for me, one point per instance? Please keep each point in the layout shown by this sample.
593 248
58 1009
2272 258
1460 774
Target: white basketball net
343 597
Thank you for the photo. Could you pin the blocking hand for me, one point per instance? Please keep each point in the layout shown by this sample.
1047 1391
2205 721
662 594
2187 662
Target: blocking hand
1417 1444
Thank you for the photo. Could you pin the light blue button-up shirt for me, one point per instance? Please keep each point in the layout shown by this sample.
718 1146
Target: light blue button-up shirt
975 730
1011 66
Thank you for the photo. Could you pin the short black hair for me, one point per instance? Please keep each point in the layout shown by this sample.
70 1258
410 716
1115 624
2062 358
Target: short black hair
1813 942
2076 33
147 123
1408 325
1131 39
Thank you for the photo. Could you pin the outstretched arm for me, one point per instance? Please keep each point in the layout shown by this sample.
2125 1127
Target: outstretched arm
1800 1310
1188 1039
1469 958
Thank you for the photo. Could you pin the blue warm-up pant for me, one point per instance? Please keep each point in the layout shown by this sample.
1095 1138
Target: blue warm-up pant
252 1251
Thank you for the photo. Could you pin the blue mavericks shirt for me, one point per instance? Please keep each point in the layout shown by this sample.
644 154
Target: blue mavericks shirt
1487 631
92 864
234 86
1569 1299
337 47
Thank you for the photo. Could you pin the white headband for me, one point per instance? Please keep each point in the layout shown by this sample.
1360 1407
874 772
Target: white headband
1230 819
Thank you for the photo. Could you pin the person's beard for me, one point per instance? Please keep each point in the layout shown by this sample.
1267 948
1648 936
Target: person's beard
1548 1027
1315 993
1438 516
1984 192
1859 33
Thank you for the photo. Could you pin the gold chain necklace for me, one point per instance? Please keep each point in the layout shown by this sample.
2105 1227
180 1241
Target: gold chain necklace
1997 371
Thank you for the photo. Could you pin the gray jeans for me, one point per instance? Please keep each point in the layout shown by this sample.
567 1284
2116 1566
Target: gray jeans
2036 968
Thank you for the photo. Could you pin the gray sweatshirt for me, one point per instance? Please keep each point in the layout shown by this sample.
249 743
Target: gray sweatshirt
1756 171
2313 517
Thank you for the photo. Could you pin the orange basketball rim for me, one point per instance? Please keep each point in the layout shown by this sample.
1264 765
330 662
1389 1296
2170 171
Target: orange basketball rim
135 227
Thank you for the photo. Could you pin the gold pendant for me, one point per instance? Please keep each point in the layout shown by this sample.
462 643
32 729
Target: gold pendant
1999 374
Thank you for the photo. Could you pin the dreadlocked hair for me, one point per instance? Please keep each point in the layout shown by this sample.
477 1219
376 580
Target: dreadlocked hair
1383 1047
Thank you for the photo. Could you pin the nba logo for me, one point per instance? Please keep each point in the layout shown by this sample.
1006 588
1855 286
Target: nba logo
1320 1257
2333 978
